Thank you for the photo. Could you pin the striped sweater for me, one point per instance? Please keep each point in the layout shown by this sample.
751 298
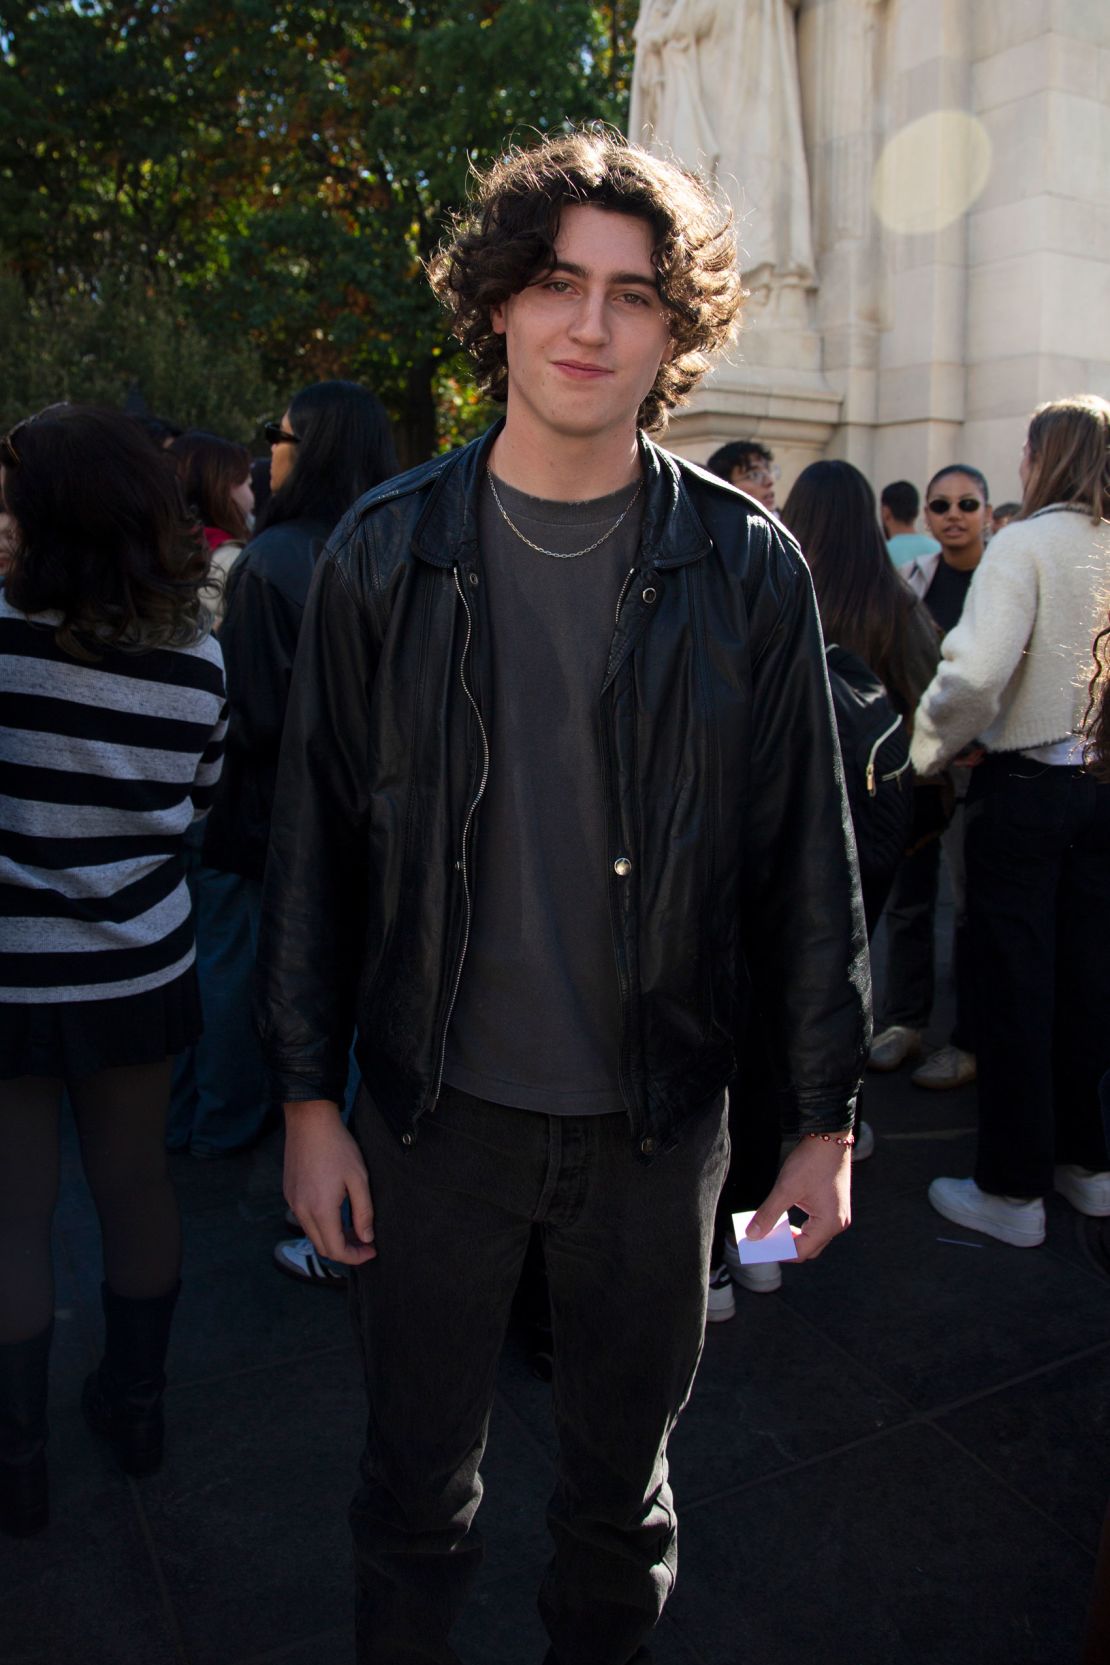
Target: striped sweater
103 766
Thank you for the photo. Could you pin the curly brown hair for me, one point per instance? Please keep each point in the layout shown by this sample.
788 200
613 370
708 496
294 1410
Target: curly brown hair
101 533
507 239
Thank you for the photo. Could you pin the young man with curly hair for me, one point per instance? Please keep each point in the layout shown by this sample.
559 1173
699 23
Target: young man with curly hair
558 759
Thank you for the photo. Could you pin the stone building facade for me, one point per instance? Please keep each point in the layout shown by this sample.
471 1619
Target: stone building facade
958 159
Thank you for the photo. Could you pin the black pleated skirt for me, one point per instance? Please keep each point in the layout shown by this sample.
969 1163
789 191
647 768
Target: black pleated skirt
80 1037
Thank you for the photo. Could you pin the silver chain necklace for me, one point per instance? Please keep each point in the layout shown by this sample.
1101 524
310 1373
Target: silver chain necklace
561 554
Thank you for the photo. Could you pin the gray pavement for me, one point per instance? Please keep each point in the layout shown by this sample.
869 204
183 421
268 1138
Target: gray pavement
903 1456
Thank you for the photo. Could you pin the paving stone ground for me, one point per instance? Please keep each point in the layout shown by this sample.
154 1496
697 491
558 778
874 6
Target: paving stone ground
902 1457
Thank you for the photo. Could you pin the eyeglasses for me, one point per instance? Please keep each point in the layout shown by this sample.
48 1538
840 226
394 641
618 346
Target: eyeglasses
764 476
277 435
966 505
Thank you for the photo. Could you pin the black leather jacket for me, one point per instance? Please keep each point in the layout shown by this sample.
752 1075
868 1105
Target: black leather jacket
727 818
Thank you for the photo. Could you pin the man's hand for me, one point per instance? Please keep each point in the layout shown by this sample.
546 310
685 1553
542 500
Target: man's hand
323 1165
816 1177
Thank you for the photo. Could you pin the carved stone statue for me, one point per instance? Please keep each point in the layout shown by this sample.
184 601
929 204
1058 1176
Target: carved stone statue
716 84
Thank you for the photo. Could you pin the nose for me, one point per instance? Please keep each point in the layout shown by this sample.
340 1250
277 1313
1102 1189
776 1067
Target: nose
590 323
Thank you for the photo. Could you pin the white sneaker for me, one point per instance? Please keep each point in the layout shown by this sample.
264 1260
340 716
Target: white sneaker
892 1047
298 1257
865 1142
1014 1220
1087 1191
951 1066
762 1279
721 1303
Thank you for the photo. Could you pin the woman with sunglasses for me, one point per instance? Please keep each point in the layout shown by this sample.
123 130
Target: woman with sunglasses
111 731
1011 681
332 444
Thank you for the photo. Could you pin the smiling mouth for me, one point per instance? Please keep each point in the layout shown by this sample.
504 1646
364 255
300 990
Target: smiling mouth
575 368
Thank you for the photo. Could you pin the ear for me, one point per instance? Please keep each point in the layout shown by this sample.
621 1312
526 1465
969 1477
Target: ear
498 317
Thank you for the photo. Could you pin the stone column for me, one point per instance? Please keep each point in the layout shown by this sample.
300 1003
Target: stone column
1039 249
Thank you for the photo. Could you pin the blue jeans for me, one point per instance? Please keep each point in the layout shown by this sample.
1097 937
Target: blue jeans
219 1101
1038 885
627 1251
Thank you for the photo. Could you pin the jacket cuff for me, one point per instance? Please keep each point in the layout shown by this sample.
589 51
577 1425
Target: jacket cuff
835 1113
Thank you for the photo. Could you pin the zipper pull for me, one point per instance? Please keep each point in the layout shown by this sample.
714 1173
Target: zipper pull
871 778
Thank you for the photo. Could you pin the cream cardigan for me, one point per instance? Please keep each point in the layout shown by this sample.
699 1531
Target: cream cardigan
1013 673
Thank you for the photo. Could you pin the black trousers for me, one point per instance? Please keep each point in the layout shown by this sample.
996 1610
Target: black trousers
1038 880
627 1253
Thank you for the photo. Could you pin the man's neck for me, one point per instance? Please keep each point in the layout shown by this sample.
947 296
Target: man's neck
900 529
571 471
963 560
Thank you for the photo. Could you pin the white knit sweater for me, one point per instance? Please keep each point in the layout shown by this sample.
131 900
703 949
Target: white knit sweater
1013 673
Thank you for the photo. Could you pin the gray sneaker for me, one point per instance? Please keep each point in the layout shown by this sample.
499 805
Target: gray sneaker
894 1047
950 1067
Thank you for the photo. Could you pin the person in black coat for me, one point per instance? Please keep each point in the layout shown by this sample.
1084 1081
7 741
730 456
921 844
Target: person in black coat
331 445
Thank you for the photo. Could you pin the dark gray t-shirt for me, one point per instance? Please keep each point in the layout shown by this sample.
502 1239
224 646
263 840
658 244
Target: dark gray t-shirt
537 1018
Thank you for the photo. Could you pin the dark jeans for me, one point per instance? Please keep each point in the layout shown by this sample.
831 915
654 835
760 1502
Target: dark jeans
627 1252
910 929
1038 877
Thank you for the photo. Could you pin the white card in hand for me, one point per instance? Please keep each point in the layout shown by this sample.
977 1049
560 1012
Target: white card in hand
777 1245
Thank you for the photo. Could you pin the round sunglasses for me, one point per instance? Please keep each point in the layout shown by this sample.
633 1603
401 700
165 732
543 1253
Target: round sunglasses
966 505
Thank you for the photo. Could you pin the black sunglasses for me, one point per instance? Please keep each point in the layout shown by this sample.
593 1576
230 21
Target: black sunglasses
966 505
277 435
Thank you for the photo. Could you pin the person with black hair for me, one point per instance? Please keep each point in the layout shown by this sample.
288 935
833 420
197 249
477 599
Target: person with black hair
957 513
113 716
750 466
874 628
899 506
331 445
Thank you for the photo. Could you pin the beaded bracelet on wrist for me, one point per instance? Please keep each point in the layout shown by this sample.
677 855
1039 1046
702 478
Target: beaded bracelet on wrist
846 1139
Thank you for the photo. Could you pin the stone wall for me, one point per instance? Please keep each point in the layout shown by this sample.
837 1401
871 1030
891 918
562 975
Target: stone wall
937 323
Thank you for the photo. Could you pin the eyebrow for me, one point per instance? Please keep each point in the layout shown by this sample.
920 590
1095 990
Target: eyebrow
577 271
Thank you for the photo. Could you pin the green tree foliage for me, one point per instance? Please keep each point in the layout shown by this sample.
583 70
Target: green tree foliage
271 176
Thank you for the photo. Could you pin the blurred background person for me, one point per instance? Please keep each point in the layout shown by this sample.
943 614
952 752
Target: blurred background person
112 708
750 466
899 507
332 444
1038 835
1002 514
215 476
882 649
957 512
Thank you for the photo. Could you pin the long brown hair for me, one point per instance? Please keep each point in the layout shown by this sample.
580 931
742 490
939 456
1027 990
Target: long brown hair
1069 454
209 469
864 605
102 536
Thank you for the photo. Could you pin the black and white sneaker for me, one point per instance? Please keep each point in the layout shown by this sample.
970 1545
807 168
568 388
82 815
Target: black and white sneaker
721 1303
297 1257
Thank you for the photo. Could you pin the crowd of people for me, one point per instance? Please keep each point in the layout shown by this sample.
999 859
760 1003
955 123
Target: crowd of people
150 619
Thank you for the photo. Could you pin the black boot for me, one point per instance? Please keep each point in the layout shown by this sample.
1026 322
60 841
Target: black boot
122 1400
24 1365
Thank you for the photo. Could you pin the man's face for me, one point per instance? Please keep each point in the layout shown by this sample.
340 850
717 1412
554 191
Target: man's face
956 514
757 478
584 342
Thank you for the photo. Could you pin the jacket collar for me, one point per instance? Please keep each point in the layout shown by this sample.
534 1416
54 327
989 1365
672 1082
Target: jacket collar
672 534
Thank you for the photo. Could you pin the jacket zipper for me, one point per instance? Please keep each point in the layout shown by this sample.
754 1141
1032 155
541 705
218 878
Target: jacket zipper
623 981
462 865
872 787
